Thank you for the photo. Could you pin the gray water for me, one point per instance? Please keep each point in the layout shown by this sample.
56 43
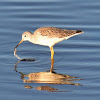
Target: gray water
77 57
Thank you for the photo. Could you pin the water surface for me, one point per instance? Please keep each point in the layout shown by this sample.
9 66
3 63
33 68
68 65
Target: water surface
77 57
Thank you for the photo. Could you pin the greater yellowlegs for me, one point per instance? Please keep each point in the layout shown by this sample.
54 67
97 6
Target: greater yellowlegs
48 36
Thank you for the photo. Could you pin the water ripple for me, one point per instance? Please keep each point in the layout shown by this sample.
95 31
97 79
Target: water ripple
79 56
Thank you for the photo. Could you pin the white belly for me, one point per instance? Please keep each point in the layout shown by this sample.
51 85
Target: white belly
44 40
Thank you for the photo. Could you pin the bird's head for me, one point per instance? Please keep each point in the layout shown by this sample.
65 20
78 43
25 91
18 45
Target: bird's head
26 36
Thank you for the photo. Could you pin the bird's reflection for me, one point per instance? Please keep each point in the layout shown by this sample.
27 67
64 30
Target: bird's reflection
46 77
45 88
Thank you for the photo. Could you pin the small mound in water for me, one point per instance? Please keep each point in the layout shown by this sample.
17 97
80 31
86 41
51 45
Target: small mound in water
28 59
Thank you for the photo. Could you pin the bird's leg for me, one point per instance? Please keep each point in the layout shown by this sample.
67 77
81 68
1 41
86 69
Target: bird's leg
52 58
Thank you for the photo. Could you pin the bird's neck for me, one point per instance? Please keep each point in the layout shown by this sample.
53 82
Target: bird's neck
33 39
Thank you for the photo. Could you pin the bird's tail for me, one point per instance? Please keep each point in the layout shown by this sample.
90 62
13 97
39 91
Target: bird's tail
79 31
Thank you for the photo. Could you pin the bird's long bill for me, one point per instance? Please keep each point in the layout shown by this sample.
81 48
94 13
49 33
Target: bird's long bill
19 43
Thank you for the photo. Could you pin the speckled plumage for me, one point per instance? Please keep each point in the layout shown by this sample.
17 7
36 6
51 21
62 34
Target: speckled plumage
52 32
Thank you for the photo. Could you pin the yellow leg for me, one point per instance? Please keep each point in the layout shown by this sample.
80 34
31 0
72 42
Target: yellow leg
52 52
52 58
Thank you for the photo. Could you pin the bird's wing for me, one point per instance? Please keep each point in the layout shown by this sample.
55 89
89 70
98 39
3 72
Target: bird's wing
54 32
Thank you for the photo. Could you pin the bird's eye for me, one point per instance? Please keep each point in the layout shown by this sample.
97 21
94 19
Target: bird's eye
24 35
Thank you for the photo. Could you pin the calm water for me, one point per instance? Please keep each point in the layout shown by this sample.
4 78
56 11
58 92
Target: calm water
78 57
